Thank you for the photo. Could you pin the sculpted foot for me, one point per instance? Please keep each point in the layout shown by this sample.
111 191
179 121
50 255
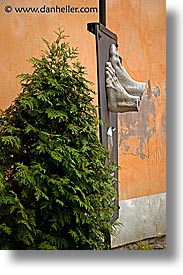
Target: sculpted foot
131 86
118 99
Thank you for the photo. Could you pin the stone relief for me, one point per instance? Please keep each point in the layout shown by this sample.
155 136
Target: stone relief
123 92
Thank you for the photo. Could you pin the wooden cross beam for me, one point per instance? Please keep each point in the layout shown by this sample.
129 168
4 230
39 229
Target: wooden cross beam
102 12
108 131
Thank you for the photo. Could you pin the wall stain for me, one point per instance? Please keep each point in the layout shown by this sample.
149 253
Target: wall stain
141 125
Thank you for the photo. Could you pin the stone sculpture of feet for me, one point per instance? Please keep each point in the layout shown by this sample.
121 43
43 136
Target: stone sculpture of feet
119 101
133 87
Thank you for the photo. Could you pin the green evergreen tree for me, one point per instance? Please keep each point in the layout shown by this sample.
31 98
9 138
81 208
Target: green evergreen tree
55 189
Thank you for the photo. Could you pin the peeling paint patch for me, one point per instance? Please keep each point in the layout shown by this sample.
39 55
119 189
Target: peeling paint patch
156 92
141 125
126 147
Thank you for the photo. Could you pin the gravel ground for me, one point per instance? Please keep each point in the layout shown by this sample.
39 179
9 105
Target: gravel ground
158 243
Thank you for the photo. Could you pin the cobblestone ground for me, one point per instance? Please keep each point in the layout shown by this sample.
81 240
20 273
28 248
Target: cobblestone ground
158 243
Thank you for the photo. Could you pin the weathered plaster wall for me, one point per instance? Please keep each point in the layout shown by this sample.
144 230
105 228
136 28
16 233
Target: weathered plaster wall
21 33
140 26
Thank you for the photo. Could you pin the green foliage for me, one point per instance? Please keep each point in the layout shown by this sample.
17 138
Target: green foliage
55 189
144 246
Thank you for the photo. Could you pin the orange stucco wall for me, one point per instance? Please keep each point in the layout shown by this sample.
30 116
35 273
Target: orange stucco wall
141 30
